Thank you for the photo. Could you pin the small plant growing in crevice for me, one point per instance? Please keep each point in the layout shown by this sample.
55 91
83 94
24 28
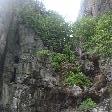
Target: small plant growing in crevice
43 53
87 105
78 79
70 55
57 59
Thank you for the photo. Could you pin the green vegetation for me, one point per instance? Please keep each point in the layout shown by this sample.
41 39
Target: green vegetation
87 105
83 32
57 59
103 35
48 25
66 42
89 34
94 35
43 53
70 55
78 79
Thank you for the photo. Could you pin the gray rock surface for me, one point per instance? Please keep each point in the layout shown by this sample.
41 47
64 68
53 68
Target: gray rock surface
27 83
95 7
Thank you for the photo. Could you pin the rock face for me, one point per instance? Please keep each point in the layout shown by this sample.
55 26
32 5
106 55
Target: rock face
27 82
22 74
5 18
95 7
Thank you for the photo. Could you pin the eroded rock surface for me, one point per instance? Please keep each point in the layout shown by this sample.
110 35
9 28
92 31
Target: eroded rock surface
95 7
27 82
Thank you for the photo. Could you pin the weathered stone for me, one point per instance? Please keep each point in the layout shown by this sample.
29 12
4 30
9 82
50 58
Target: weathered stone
27 83
95 7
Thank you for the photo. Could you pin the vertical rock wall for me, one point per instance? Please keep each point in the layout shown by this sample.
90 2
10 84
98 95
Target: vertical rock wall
27 82
95 7
5 19
24 76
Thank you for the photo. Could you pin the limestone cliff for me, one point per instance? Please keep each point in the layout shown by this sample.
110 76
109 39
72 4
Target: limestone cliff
5 19
95 7
27 82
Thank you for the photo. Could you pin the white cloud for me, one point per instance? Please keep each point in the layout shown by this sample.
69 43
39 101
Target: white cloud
67 8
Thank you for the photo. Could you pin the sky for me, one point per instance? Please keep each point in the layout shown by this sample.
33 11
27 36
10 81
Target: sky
67 8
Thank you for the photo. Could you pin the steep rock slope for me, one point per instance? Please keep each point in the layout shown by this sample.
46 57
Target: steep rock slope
95 7
28 83
5 18
26 80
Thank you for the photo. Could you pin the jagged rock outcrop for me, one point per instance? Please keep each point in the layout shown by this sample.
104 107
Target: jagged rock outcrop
5 18
95 7
18 45
27 82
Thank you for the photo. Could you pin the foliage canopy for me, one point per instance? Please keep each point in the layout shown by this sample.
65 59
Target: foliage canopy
94 35
48 25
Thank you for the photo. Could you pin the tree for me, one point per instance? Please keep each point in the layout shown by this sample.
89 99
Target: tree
48 25
83 32
103 36
55 31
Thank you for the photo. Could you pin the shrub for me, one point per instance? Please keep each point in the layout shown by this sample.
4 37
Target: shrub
57 59
70 55
87 105
78 79
103 36
83 32
43 53
49 25
94 35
